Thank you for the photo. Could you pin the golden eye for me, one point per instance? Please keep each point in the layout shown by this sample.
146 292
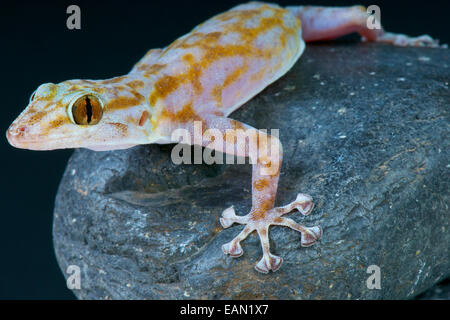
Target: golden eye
87 110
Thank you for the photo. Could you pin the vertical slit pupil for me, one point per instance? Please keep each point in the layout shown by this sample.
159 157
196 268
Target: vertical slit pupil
88 110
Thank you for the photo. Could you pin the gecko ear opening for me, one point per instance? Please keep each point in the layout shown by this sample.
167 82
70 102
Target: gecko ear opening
86 110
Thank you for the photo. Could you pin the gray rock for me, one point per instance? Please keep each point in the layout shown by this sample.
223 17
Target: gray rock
440 291
365 131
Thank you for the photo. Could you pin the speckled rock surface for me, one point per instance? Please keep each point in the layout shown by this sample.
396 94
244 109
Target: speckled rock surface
365 131
440 291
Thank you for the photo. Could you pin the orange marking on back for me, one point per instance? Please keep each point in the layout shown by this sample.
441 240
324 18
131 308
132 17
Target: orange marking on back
242 14
143 118
216 93
150 70
163 87
232 77
186 114
194 72
258 75
168 84
211 50
265 23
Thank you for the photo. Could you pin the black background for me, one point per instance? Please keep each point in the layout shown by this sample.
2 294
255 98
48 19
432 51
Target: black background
36 47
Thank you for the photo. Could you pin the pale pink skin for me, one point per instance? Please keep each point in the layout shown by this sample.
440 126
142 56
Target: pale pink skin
203 76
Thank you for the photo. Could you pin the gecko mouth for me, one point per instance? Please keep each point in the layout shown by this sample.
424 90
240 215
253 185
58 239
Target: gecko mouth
18 137
40 144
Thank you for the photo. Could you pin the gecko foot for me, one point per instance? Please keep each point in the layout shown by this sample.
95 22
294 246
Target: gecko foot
403 40
261 221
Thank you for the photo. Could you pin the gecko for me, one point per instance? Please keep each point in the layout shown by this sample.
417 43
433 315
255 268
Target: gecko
202 77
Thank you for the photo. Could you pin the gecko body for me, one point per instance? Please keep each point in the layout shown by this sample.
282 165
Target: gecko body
201 77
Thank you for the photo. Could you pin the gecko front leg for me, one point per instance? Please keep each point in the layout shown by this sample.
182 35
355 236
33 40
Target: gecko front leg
265 152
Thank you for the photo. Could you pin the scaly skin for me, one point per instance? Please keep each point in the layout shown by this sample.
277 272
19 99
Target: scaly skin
201 77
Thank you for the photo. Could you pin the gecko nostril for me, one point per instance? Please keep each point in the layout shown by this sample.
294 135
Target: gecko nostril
17 131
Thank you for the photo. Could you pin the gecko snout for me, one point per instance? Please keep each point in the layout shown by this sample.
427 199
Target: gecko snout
15 134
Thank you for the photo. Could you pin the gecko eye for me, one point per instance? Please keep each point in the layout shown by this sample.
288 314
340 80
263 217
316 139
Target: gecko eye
86 110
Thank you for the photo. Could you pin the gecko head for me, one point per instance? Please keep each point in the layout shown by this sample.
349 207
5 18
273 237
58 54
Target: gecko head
99 115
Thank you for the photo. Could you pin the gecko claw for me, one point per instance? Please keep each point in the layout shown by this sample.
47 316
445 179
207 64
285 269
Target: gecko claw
269 262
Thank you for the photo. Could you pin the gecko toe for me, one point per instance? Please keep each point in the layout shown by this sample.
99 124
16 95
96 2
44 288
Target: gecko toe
228 217
311 236
226 223
233 249
304 203
267 263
